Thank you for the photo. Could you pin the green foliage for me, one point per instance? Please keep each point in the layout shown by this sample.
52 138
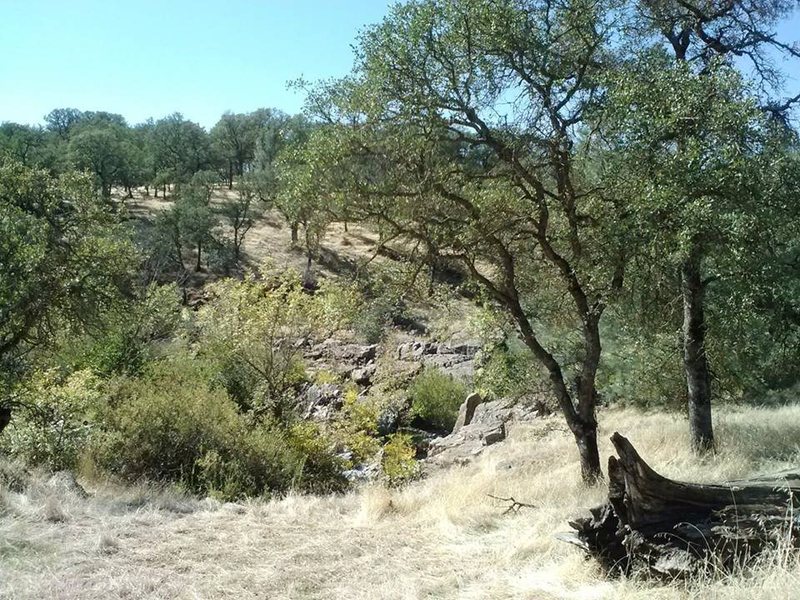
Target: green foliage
103 152
399 464
641 367
180 148
435 399
320 470
508 370
23 143
254 329
65 260
127 337
356 426
55 419
174 425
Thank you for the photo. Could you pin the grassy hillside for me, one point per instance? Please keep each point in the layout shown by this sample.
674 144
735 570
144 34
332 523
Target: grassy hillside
442 537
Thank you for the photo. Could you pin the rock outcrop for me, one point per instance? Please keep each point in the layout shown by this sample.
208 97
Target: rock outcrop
487 426
455 359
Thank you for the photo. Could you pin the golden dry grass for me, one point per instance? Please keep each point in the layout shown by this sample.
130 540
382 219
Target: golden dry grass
270 236
442 537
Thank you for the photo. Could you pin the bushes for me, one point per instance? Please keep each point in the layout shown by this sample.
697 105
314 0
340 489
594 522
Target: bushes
398 462
435 398
254 330
357 426
54 421
508 370
173 425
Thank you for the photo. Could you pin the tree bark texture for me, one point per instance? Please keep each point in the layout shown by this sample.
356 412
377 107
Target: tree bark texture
695 360
670 528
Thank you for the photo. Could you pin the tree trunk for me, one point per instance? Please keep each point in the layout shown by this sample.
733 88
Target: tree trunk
130 192
675 529
581 420
695 360
237 244
155 191
295 227
198 265
5 417
586 440
230 175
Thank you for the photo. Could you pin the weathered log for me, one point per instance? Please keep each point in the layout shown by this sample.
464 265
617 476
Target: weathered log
673 528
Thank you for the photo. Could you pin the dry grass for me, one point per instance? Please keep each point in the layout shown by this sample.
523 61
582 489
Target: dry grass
439 538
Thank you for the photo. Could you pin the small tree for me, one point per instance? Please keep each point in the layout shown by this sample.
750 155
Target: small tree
195 218
238 213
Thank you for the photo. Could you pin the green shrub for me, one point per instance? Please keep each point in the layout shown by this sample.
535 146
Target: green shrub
356 426
127 338
435 398
252 328
54 420
174 425
398 462
320 470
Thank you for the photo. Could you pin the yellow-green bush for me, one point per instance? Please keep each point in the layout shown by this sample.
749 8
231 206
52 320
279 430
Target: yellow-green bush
435 398
254 328
357 426
399 464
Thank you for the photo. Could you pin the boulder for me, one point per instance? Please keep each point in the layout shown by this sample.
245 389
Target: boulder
494 435
467 410
485 427
320 401
389 420
340 352
414 351
363 375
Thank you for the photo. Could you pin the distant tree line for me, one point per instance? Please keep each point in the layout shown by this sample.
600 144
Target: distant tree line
153 154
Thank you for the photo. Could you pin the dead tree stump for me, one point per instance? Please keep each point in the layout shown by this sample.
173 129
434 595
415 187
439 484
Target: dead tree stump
672 528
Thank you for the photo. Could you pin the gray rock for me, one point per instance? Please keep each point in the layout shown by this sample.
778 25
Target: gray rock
355 353
413 351
486 427
321 401
464 372
468 348
467 410
363 473
388 420
363 375
494 435
349 354
322 393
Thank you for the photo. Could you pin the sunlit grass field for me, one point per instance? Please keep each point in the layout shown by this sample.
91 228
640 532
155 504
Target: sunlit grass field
441 537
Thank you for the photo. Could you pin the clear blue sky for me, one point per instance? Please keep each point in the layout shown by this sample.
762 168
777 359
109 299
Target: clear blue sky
144 58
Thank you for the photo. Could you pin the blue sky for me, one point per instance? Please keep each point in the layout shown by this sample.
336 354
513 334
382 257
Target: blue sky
147 58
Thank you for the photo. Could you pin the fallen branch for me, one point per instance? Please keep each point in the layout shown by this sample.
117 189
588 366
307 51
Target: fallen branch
514 506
